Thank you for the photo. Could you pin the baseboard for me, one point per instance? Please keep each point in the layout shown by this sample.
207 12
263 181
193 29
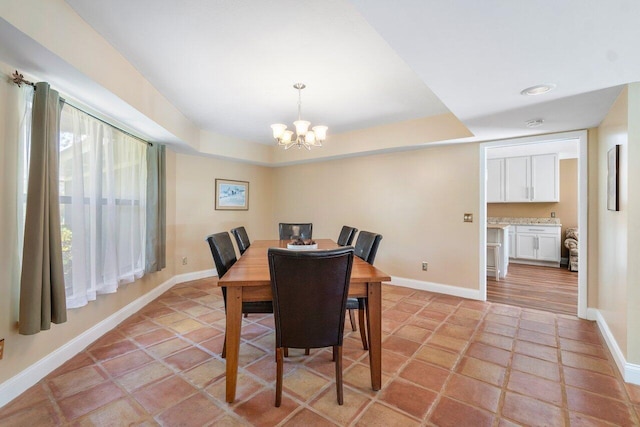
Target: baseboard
21 382
533 262
630 371
196 275
436 287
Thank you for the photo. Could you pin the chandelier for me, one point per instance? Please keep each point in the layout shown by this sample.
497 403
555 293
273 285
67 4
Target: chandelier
304 137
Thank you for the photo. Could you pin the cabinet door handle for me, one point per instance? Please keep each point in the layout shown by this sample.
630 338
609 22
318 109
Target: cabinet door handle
533 193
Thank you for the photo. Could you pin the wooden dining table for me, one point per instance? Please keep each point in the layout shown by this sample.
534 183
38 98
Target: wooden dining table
249 280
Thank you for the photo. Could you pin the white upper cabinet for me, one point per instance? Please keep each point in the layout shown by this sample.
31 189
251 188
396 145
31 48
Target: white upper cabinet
495 180
545 178
523 179
518 179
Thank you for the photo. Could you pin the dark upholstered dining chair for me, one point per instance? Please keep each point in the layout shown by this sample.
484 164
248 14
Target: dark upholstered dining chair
242 239
345 239
224 256
366 248
310 290
346 235
289 231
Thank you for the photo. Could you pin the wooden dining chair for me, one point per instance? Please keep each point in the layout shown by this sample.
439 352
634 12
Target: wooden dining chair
224 256
289 231
346 235
310 291
242 239
366 248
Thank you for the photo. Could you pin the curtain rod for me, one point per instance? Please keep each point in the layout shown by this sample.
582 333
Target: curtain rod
19 80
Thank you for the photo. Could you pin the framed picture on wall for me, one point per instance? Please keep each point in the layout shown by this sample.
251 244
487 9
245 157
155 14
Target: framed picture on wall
232 195
613 163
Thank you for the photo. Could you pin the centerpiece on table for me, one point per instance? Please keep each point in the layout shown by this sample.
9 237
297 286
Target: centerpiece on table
302 244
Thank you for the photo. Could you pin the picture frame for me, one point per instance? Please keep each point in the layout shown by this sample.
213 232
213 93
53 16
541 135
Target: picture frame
613 178
232 195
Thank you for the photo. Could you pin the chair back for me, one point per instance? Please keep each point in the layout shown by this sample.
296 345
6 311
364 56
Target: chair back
346 235
310 290
242 239
289 231
367 246
224 256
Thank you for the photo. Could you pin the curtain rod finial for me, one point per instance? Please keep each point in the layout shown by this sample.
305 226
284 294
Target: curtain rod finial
19 79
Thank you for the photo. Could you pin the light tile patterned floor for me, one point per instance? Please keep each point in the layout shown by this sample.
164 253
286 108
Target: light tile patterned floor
446 361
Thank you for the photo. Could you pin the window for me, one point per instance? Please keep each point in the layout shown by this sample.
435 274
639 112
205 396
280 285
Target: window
102 206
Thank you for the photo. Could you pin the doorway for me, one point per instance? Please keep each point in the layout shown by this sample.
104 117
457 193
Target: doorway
572 152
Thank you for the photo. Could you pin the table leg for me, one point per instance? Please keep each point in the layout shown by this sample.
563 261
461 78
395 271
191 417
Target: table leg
234 323
374 329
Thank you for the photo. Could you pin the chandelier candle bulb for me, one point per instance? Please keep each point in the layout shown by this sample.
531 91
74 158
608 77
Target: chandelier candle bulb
320 132
278 130
286 136
310 138
302 126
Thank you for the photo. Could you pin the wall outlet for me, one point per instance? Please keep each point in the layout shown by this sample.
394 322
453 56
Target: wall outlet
185 261
425 265
1 348
553 214
468 217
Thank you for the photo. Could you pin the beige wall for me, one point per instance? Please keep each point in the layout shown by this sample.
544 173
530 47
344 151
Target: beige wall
612 226
633 232
23 351
195 212
415 199
566 209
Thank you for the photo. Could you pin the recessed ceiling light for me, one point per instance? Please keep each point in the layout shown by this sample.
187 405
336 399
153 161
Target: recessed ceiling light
534 123
538 89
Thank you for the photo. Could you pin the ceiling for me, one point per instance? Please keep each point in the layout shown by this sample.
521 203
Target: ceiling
229 65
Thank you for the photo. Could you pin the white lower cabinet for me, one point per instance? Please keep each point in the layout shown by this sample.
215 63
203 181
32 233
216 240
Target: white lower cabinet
512 242
526 246
538 244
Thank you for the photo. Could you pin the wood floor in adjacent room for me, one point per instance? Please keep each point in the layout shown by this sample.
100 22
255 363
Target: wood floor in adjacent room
542 288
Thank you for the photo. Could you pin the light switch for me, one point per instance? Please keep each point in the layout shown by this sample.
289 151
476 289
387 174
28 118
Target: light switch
468 217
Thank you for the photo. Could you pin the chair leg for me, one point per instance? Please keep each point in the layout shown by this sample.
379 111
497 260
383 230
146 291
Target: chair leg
337 349
279 357
286 351
362 312
306 352
352 319
224 345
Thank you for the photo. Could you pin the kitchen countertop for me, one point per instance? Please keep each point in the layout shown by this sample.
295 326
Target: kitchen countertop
523 221
498 225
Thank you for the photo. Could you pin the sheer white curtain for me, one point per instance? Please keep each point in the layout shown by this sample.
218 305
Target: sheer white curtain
103 206
24 140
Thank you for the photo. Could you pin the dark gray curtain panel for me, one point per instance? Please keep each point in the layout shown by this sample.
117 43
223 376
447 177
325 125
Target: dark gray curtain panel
156 209
42 292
